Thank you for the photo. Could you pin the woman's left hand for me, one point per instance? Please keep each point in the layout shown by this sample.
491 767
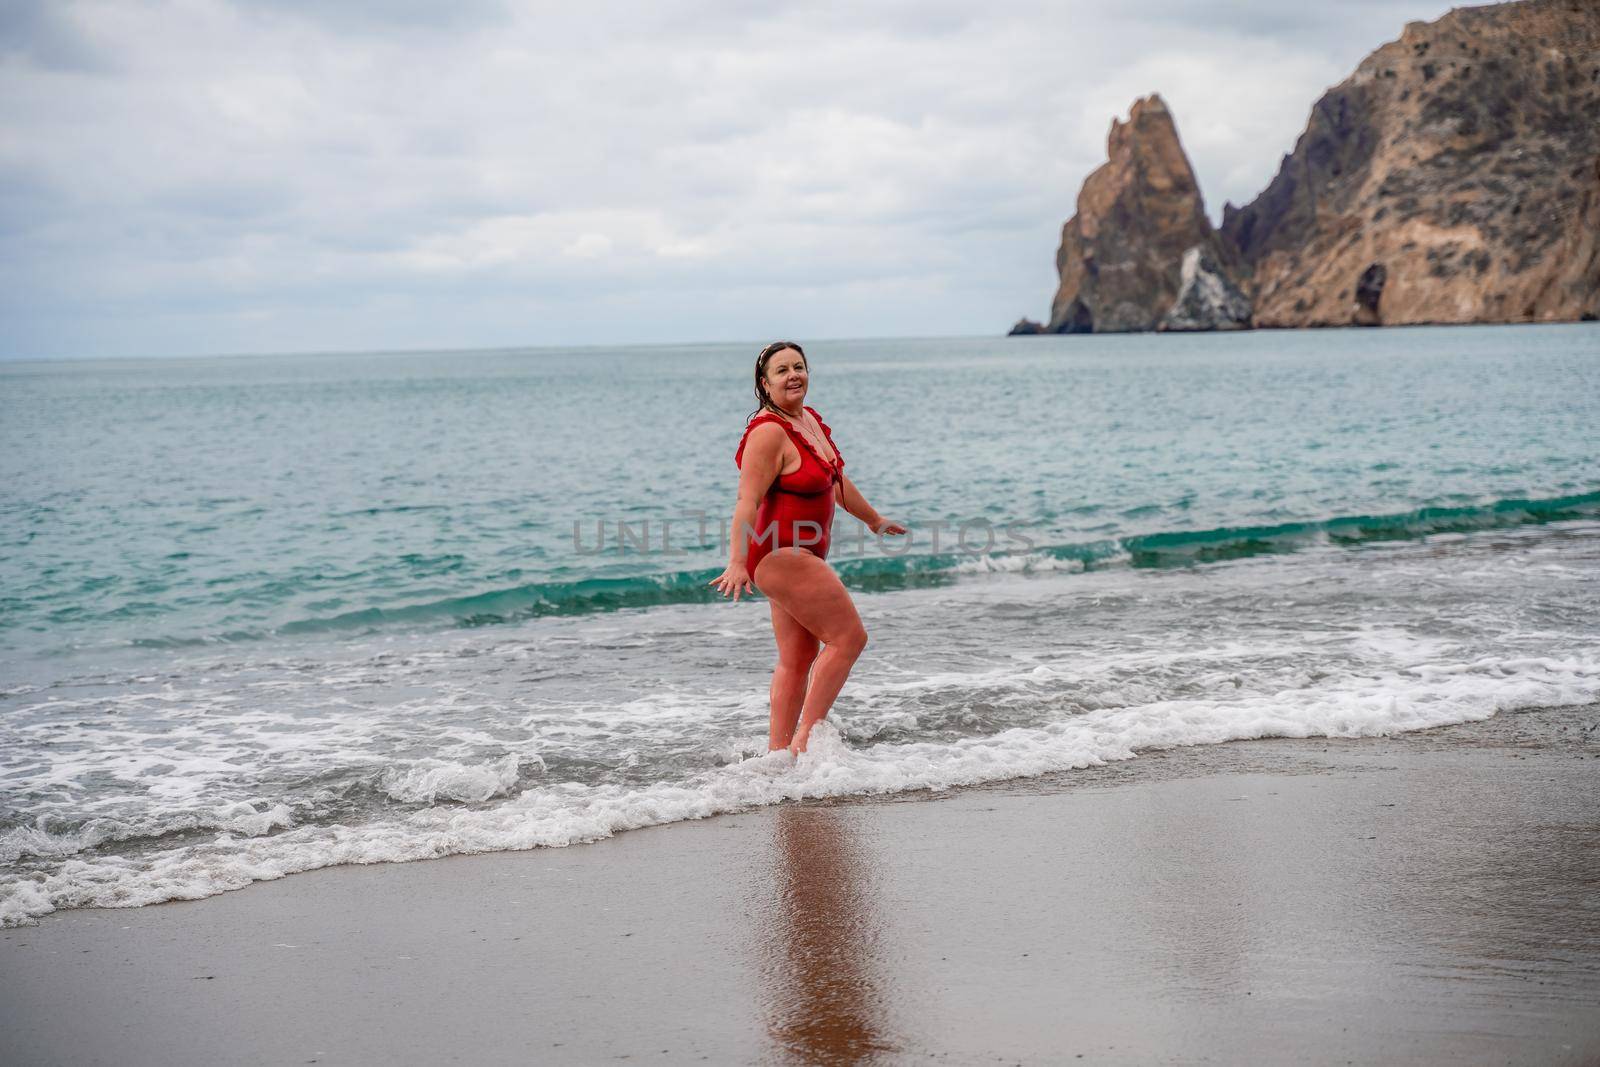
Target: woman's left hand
887 527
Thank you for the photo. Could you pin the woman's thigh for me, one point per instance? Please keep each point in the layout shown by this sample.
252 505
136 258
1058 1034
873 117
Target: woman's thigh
810 592
797 646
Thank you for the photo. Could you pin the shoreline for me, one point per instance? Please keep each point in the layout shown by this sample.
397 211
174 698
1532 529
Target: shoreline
1422 897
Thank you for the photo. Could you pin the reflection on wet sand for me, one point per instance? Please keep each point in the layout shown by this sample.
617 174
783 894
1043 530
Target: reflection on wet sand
818 927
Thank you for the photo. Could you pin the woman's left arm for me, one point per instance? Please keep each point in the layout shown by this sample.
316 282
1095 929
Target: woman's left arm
851 500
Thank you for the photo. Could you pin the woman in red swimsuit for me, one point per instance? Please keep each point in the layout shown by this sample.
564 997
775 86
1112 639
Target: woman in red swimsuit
790 476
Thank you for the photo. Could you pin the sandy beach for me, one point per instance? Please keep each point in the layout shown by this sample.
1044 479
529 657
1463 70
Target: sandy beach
1431 897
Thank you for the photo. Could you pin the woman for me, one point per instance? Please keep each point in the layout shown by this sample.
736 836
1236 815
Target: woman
790 474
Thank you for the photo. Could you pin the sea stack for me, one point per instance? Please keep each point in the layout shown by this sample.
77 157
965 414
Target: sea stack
1139 214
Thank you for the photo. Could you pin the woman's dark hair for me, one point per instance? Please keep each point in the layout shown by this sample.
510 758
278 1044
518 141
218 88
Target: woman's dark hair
763 401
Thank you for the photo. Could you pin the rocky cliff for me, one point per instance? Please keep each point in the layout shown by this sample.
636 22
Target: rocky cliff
1454 177
1121 255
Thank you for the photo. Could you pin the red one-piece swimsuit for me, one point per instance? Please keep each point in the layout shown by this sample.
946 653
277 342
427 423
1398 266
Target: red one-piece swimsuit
798 510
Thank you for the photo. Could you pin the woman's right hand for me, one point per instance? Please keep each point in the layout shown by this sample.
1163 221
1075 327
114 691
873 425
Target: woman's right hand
734 580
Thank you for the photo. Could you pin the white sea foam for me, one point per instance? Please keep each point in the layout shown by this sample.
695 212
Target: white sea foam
1413 696
40 840
1023 563
430 779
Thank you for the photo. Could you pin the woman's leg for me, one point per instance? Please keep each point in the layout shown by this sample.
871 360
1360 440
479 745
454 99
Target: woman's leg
808 589
797 648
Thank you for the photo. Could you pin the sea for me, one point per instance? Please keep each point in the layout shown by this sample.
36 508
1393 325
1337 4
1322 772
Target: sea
266 614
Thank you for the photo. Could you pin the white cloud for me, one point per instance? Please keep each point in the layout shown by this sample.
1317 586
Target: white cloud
198 175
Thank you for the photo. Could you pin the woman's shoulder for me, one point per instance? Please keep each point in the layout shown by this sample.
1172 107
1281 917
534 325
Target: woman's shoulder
762 432
760 428
759 424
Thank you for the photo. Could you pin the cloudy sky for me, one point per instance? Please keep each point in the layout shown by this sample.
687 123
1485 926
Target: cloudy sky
206 176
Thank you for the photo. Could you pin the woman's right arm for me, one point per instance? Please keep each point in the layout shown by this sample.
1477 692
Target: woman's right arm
763 458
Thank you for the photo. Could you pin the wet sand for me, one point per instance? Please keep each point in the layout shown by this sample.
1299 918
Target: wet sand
1433 897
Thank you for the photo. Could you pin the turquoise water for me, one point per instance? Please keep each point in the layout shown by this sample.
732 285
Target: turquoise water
166 502
263 614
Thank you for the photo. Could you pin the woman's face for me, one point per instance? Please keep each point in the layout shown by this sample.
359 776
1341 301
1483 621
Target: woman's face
786 378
